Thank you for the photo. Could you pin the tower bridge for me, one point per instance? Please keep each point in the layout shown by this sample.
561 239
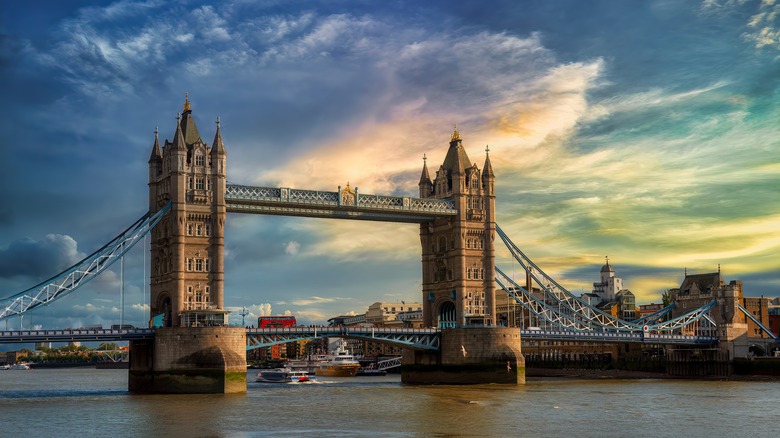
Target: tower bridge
455 210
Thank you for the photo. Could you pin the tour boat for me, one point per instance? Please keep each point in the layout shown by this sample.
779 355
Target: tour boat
283 375
20 366
339 364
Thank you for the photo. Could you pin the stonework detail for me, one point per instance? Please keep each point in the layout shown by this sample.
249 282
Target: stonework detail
457 252
187 246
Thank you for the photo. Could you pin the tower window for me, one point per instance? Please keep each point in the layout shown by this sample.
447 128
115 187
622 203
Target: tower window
199 184
199 160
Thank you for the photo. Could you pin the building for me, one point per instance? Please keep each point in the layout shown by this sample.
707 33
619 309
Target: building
458 263
187 272
386 314
609 286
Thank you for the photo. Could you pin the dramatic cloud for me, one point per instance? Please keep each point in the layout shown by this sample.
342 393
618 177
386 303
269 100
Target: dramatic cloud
653 140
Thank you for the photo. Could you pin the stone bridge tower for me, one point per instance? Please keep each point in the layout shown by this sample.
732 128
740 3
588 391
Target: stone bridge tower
458 258
187 246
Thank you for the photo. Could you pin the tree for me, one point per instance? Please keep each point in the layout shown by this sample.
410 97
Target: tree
666 297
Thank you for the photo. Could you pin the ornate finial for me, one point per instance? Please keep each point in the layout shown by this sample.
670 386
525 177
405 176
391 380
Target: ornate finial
455 133
156 131
718 268
425 159
186 101
178 117
487 149
607 259
217 121
686 271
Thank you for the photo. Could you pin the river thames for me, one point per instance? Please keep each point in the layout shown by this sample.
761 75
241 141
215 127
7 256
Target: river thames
89 402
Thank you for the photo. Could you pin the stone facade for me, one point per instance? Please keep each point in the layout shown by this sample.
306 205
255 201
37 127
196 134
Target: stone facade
468 356
187 246
190 361
458 267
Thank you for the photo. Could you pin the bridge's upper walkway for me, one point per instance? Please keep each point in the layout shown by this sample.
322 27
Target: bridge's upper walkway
345 203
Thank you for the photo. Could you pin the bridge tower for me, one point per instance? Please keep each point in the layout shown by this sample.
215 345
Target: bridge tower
187 246
192 352
458 277
458 257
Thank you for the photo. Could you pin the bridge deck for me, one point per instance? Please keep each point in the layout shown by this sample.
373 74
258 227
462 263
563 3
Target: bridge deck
420 338
346 204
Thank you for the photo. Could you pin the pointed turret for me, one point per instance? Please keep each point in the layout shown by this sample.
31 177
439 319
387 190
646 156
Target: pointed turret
426 186
487 170
156 151
188 128
217 147
488 177
178 138
456 158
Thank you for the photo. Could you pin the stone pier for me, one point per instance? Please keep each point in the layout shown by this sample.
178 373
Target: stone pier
468 356
190 360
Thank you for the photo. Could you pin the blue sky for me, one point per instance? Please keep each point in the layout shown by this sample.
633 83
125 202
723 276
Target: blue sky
646 131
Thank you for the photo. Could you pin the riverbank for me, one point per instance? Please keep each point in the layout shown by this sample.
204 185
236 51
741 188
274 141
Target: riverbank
543 373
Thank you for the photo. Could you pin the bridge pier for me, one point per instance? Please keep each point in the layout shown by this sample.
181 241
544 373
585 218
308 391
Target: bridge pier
189 360
468 356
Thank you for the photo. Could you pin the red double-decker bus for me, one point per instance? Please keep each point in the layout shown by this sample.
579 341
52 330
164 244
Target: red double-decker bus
276 321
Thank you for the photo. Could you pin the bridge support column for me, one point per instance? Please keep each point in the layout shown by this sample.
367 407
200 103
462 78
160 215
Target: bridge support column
190 360
468 356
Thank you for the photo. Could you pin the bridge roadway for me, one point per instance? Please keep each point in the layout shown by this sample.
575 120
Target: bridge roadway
419 338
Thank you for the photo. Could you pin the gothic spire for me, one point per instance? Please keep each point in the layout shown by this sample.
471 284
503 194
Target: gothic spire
217 147
487 170
156 151
425 177
178 138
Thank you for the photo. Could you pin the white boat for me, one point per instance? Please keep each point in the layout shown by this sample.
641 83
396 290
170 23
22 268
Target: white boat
20 366
339 364
283 375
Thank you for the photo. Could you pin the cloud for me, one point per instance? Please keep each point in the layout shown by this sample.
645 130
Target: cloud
292 247
39 259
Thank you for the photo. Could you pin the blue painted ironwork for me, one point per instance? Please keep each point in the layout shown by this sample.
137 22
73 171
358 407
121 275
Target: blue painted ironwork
344 204
610 337
83 271
758 323
75 335
563 309
414 338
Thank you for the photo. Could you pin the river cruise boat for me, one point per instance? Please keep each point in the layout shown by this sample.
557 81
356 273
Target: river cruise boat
283 375
339 364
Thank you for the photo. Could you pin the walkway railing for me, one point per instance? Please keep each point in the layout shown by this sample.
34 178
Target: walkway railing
343 204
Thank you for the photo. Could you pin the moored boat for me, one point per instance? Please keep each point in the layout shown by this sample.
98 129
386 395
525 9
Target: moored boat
339 364
283 375
20 366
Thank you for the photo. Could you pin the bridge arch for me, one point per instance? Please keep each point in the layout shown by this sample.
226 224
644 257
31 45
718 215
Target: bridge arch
447 315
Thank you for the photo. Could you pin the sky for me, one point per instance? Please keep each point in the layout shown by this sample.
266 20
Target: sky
643 131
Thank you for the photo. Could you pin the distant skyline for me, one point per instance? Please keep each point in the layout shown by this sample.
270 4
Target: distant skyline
645 131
